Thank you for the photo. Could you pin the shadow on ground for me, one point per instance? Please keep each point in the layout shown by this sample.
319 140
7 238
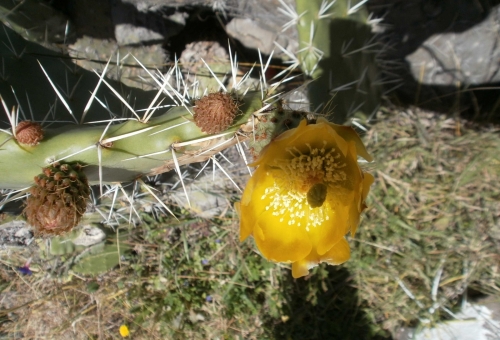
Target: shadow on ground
322 306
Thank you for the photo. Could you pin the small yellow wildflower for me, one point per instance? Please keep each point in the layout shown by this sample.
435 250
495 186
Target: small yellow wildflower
124 332
307 193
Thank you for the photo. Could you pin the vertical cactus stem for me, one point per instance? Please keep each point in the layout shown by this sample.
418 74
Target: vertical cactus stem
336 49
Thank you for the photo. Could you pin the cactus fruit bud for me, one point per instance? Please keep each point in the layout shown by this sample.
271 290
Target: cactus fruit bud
29 133
215 112
58 199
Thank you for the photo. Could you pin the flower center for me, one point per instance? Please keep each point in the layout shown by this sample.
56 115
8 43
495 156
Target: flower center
302 184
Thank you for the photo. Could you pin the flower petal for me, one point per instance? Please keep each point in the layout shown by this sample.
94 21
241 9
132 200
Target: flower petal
248 208
300 268
302 138
350 135
306 195
279 241
367 182
332 231
338 254
278 145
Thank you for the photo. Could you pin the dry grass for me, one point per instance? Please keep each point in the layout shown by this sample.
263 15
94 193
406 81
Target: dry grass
40 307
432 229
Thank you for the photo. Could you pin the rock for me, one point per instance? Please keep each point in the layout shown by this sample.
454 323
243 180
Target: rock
470 57
15 233
142 24
93 54
473 322
435 53
89 235
255 35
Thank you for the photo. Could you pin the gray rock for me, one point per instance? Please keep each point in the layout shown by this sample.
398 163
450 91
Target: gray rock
473 322
256 23
127 34
140 23
465 58
15 234
89 235
253 34
92 54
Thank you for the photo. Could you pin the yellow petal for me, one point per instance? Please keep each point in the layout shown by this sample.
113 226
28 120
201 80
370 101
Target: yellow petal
251 206
300 268
279 241
367 182
324 237
124 332
338 254
278 145
301 138
349 134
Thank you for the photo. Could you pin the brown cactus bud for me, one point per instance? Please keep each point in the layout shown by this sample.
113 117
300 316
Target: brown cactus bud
58 200
29 133
215 112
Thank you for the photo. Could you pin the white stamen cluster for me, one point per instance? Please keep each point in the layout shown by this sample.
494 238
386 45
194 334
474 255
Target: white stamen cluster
293 208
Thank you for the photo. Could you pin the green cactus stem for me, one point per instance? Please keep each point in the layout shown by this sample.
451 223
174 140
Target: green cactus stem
337 49
124 151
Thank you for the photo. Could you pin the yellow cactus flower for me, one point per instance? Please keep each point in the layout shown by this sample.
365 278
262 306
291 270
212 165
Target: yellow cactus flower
307 193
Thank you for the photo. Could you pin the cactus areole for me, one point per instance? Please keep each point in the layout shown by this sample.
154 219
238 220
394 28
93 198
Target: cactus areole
215 112
29 133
